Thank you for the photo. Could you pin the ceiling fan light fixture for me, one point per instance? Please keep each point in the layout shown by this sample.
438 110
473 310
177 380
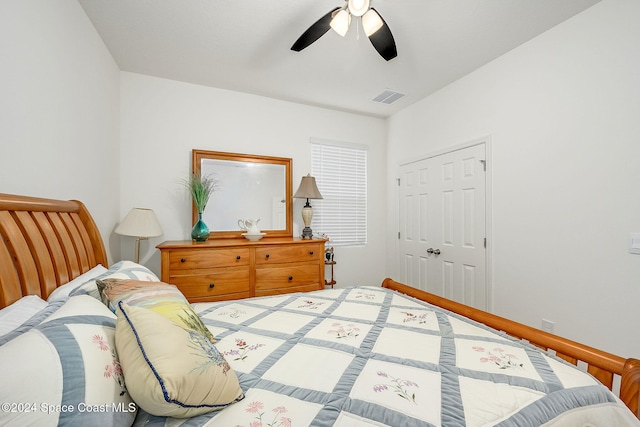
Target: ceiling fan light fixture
358 7
371 22
339 19
340 22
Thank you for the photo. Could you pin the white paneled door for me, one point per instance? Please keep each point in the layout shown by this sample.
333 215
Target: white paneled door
442 225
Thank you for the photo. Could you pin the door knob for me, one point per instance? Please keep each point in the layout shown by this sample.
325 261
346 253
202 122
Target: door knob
430 250
436 251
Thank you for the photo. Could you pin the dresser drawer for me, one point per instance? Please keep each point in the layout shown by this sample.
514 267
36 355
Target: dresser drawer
286 276
208 286
226 269
291 253
206 258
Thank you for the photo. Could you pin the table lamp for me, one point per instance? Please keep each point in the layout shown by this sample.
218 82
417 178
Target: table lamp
140 223
307 190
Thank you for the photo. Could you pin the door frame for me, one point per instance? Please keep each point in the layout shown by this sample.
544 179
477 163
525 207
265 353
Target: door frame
486 140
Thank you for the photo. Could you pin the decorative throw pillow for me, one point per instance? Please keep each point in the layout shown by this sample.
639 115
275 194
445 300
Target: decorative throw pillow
163 298
64 371
119 270
170 370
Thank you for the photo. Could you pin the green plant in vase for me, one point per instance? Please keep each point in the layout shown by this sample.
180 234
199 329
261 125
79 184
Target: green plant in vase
201 189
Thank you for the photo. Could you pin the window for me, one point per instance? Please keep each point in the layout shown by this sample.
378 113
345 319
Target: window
341 175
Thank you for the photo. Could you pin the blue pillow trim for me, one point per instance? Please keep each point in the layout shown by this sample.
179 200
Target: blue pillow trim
157 375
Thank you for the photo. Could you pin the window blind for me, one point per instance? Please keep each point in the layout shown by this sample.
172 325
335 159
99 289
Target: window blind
341 176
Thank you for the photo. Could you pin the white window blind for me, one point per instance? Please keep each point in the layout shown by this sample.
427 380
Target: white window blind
341 176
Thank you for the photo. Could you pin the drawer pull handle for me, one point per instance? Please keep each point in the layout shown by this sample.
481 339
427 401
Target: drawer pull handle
183 260
290 278
267 256
310 252
238 257
211 285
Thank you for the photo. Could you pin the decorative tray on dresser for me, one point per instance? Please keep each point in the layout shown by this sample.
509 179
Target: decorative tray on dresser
225 269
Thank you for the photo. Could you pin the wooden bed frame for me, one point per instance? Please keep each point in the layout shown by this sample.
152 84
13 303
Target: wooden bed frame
45 243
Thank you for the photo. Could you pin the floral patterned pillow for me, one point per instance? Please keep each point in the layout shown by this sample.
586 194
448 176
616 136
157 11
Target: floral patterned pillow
65 371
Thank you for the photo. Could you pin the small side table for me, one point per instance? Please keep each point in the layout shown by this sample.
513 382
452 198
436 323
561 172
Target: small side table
332 281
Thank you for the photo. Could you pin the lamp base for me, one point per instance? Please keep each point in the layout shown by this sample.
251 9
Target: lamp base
137 260
307 215
307 233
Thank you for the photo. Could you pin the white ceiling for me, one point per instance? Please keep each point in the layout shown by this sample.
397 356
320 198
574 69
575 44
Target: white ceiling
244 45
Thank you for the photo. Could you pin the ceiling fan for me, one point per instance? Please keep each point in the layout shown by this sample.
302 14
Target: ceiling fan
339 20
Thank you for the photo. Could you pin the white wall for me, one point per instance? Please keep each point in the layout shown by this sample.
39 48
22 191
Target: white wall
59 101
163 120
563 115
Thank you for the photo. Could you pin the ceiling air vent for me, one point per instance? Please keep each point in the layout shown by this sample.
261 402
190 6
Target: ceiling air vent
388 96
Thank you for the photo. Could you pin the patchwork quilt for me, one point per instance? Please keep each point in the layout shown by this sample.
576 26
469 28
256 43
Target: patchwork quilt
367 356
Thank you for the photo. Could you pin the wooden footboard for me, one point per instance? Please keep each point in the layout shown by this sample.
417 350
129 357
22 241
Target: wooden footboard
602 365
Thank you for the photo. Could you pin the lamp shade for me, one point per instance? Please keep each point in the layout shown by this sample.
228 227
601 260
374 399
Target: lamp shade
358 7
371 22
340 22
308 189
140 222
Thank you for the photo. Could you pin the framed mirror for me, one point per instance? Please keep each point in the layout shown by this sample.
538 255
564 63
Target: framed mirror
247 187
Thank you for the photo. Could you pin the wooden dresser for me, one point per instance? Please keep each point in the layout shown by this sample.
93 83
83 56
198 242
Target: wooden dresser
224 269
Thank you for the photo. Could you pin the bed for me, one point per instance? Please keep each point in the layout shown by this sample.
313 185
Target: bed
358 356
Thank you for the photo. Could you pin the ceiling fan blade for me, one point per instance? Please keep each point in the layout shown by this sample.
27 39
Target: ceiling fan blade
383 41
314 32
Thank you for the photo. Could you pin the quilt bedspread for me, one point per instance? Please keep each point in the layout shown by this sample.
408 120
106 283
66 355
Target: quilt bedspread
367 356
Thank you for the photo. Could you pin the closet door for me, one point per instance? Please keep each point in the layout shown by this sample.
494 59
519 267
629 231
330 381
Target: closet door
442 225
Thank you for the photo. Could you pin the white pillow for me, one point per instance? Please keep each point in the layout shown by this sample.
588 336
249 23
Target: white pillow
64 290
16 314
119 270
37 318
64 371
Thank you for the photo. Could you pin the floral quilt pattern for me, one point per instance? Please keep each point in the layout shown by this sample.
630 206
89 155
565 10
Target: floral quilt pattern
369 357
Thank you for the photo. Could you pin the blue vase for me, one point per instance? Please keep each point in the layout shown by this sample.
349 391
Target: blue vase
200 231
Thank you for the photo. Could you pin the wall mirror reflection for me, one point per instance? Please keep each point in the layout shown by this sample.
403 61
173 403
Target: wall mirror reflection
248 187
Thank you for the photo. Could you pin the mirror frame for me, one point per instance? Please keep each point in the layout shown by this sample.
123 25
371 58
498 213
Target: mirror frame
196 166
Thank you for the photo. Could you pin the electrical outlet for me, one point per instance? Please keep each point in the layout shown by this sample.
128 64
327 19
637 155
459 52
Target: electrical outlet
547 325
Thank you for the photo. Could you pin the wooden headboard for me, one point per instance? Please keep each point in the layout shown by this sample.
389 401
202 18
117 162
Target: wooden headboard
44 243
